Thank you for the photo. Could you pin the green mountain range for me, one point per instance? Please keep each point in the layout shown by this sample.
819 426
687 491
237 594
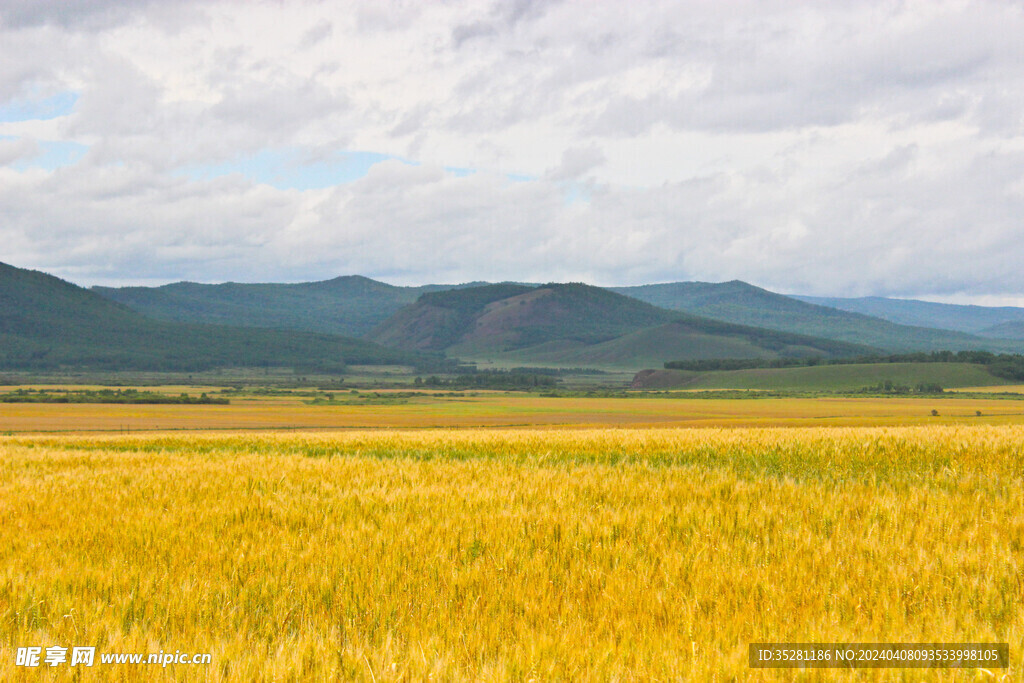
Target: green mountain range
47 323
355 306
580 325
746 304
1013 329
983 320
350 305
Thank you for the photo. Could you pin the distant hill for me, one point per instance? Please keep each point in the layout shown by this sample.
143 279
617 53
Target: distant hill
357 306
579 325
1008 330
508 317
688 337
48 323
742 303
349 305
973 319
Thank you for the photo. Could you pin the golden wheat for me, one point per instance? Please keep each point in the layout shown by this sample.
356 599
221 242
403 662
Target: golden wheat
508 554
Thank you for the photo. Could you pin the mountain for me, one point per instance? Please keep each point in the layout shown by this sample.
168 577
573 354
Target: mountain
580 325
974 319
688 338
1013 329
745 304
46 322
561 324
350 305
508 316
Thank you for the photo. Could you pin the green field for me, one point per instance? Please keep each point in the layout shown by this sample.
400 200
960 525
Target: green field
828 377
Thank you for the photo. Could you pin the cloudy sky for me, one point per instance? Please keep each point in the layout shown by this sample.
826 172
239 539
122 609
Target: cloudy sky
833 148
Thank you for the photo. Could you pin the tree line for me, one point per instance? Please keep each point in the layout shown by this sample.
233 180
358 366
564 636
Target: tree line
1006 365
131 396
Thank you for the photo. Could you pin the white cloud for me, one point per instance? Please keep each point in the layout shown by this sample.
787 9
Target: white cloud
841 148
12 150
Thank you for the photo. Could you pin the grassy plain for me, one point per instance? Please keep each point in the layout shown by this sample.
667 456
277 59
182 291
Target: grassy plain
499 409
832 377
569 554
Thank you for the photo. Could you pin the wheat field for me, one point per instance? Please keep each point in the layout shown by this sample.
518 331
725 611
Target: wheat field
500 409
508 555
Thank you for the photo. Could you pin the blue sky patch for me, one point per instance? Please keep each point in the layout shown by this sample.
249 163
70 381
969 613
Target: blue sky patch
43 109
53 155
575 192
288 169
